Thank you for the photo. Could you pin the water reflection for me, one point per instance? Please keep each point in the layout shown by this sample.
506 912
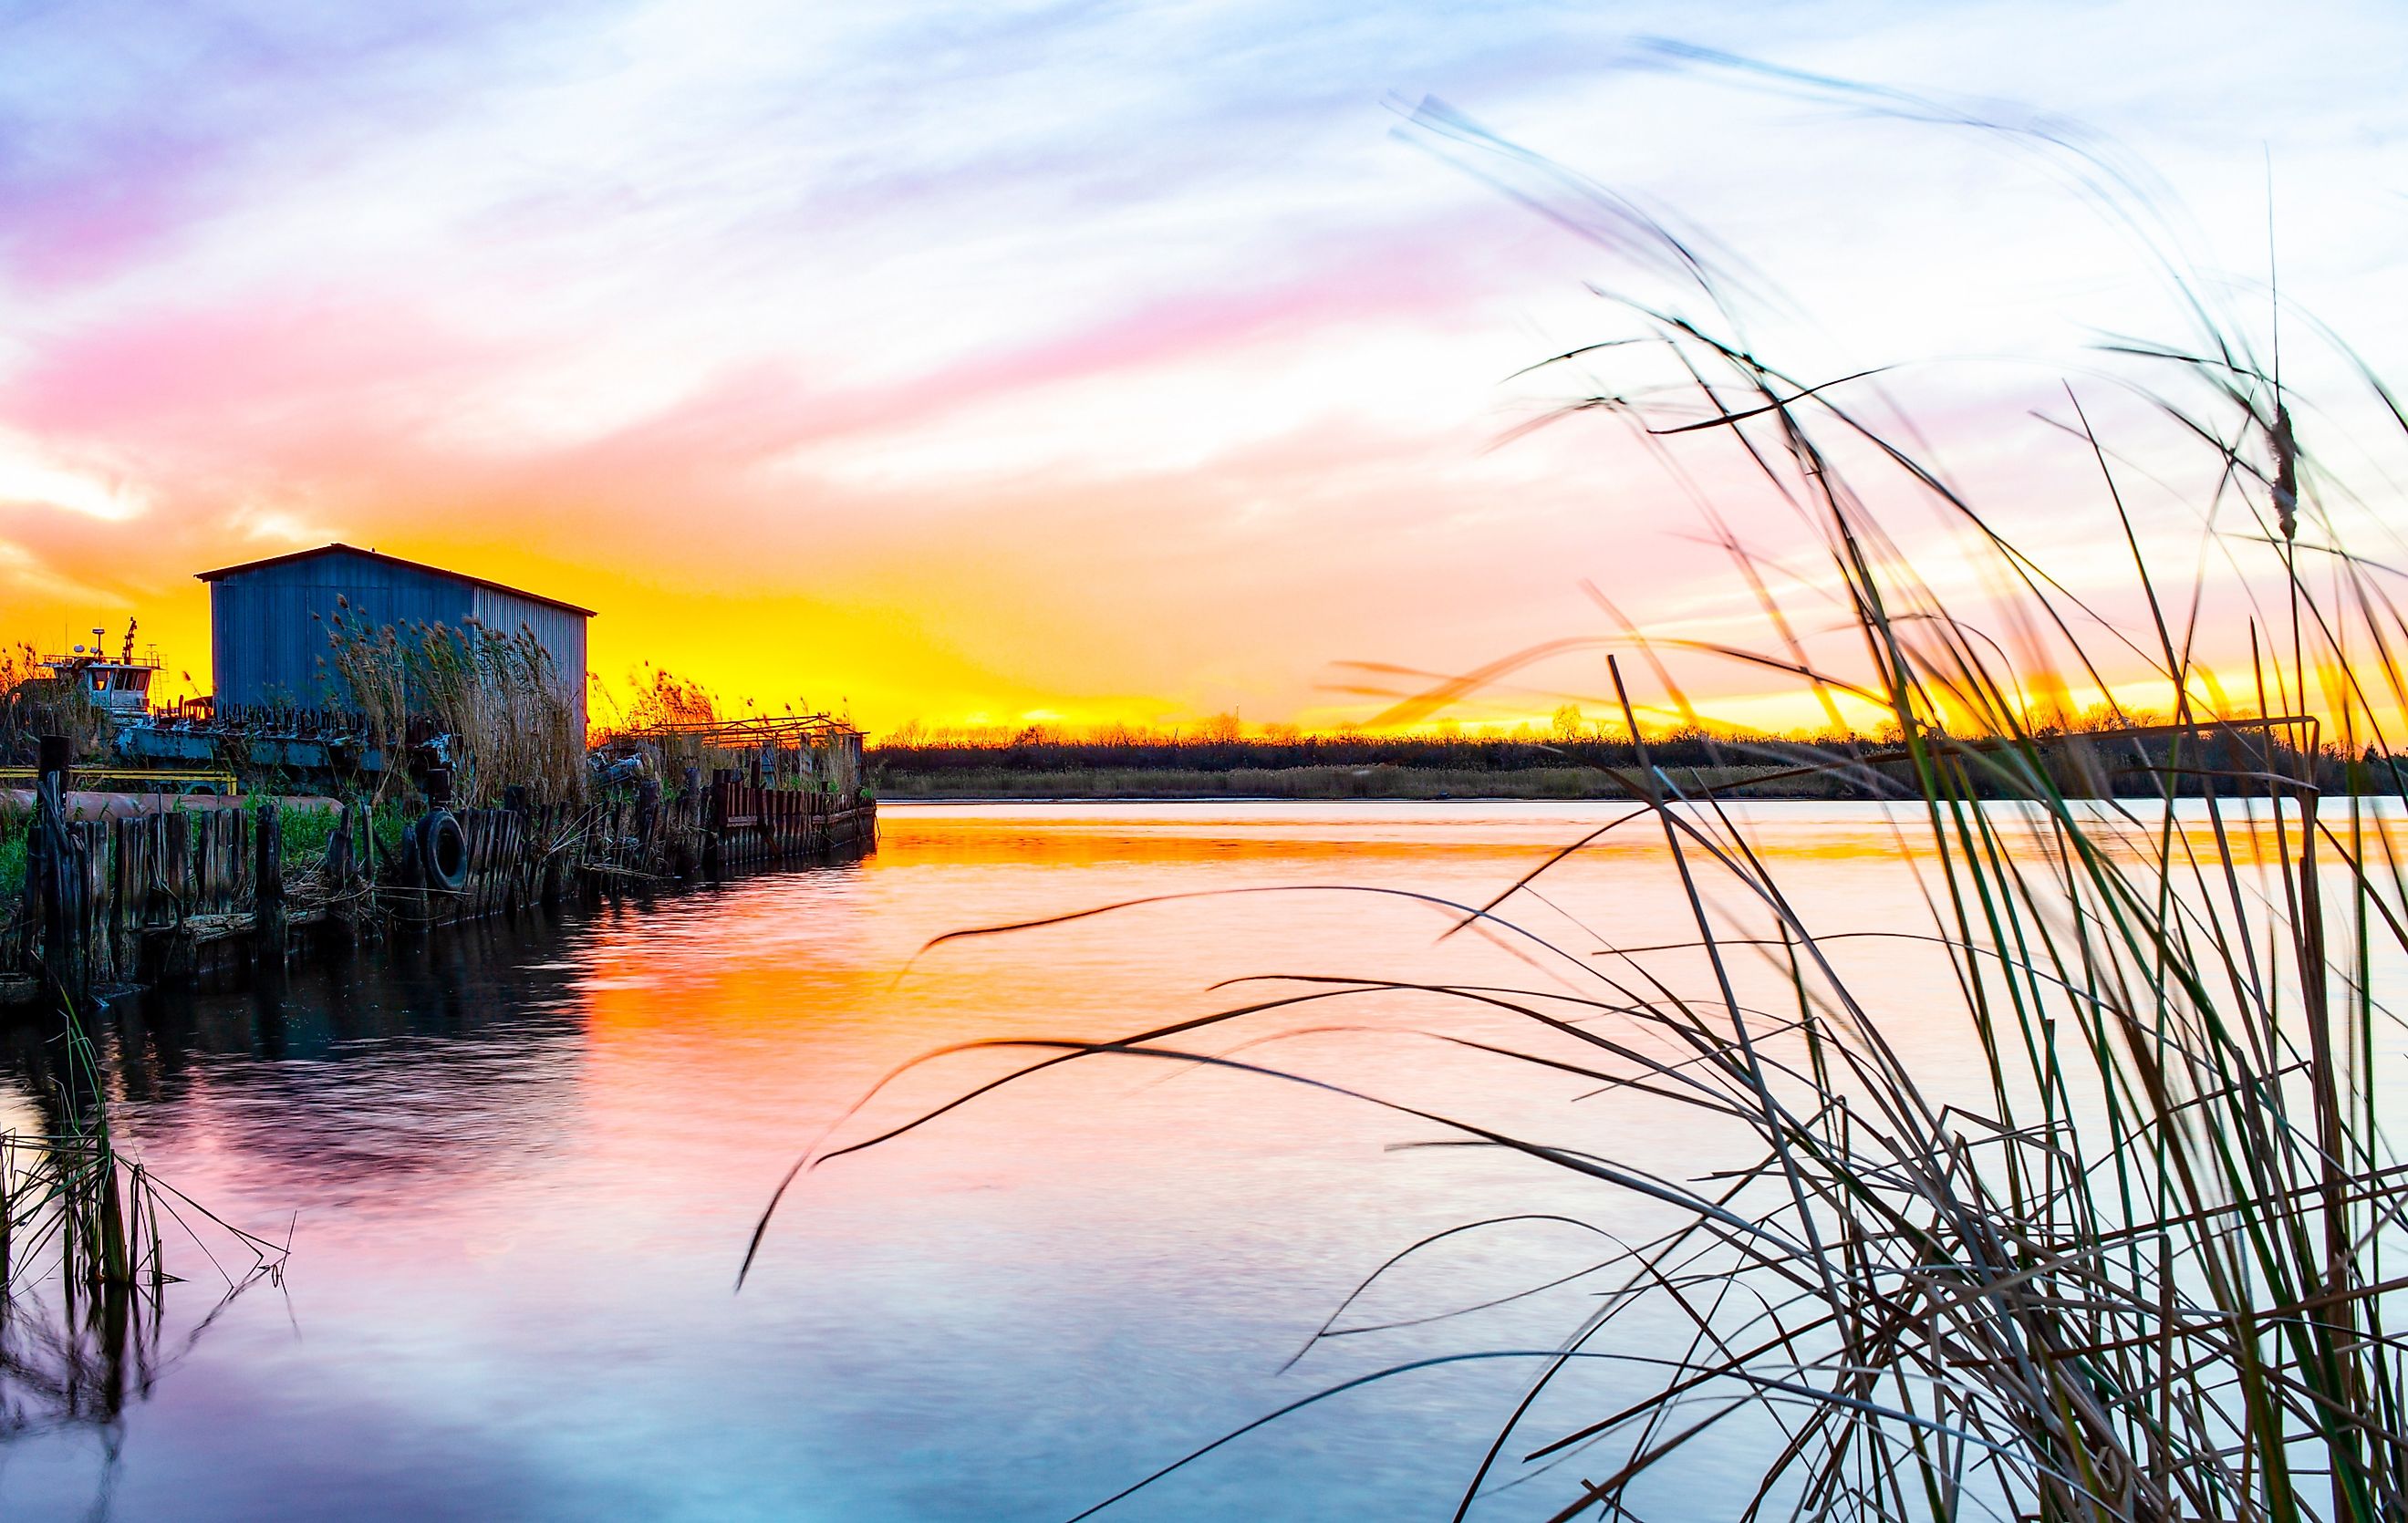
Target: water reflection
85 1332
520 1164
370 1073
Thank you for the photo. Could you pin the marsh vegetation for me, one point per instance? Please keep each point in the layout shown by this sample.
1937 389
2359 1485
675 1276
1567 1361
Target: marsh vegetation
2141 1261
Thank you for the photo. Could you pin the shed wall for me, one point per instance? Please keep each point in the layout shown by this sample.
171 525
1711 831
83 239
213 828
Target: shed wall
561 633
268 626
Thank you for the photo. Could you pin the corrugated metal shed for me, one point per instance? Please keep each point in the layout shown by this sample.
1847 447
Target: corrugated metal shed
266 647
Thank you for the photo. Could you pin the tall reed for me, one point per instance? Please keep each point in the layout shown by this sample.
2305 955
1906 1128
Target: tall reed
510 712
2144 1265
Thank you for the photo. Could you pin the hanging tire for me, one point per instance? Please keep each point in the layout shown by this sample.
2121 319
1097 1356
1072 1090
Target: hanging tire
443 852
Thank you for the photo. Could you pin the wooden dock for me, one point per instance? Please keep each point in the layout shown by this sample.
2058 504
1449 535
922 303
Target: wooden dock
163 898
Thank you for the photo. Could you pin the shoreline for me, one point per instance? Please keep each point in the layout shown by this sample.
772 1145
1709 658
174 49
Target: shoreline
1344 784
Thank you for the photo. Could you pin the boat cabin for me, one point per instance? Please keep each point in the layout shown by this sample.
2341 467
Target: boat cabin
119 688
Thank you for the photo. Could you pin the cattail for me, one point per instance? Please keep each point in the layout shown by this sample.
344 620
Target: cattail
2286 472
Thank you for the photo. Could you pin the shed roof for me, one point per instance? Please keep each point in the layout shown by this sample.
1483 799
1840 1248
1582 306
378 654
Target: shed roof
339 548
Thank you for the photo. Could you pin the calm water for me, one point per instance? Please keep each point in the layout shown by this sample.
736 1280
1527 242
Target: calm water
519 1168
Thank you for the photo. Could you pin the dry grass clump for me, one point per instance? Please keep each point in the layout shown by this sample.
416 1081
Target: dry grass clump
673 713
511 712
34 704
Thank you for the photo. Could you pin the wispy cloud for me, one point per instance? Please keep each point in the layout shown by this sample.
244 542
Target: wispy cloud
928 317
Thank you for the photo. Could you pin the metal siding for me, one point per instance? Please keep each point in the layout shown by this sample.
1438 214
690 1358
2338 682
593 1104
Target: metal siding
267 648
560 633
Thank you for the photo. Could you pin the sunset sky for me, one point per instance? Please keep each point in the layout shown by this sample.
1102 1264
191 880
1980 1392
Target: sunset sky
977 362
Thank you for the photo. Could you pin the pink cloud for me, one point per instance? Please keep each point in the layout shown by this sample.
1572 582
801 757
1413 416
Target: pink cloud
150 376
279 380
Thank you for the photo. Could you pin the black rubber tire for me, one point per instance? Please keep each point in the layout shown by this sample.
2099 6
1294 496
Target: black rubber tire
443 852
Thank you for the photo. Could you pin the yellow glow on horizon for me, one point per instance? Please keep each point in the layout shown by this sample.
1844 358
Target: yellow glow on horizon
874 656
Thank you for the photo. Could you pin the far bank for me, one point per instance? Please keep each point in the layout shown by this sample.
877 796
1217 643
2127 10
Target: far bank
1325 783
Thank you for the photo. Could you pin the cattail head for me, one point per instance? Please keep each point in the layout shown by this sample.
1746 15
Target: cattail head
2286 472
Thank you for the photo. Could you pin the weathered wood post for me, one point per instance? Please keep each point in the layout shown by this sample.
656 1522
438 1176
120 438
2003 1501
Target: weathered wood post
648 813
364 847
267 922
556 854
338 852
715 823
99 902
689 818
129 893
52 755
53 870
183 893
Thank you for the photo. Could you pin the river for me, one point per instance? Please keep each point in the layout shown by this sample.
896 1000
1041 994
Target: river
519 1166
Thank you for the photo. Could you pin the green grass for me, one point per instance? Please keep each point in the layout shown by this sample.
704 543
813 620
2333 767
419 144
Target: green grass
14 844
306 829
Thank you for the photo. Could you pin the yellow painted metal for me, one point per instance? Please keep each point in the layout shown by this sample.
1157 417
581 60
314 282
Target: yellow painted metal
134 779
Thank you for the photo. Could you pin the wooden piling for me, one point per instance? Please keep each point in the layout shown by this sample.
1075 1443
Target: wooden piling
162 897
268 932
